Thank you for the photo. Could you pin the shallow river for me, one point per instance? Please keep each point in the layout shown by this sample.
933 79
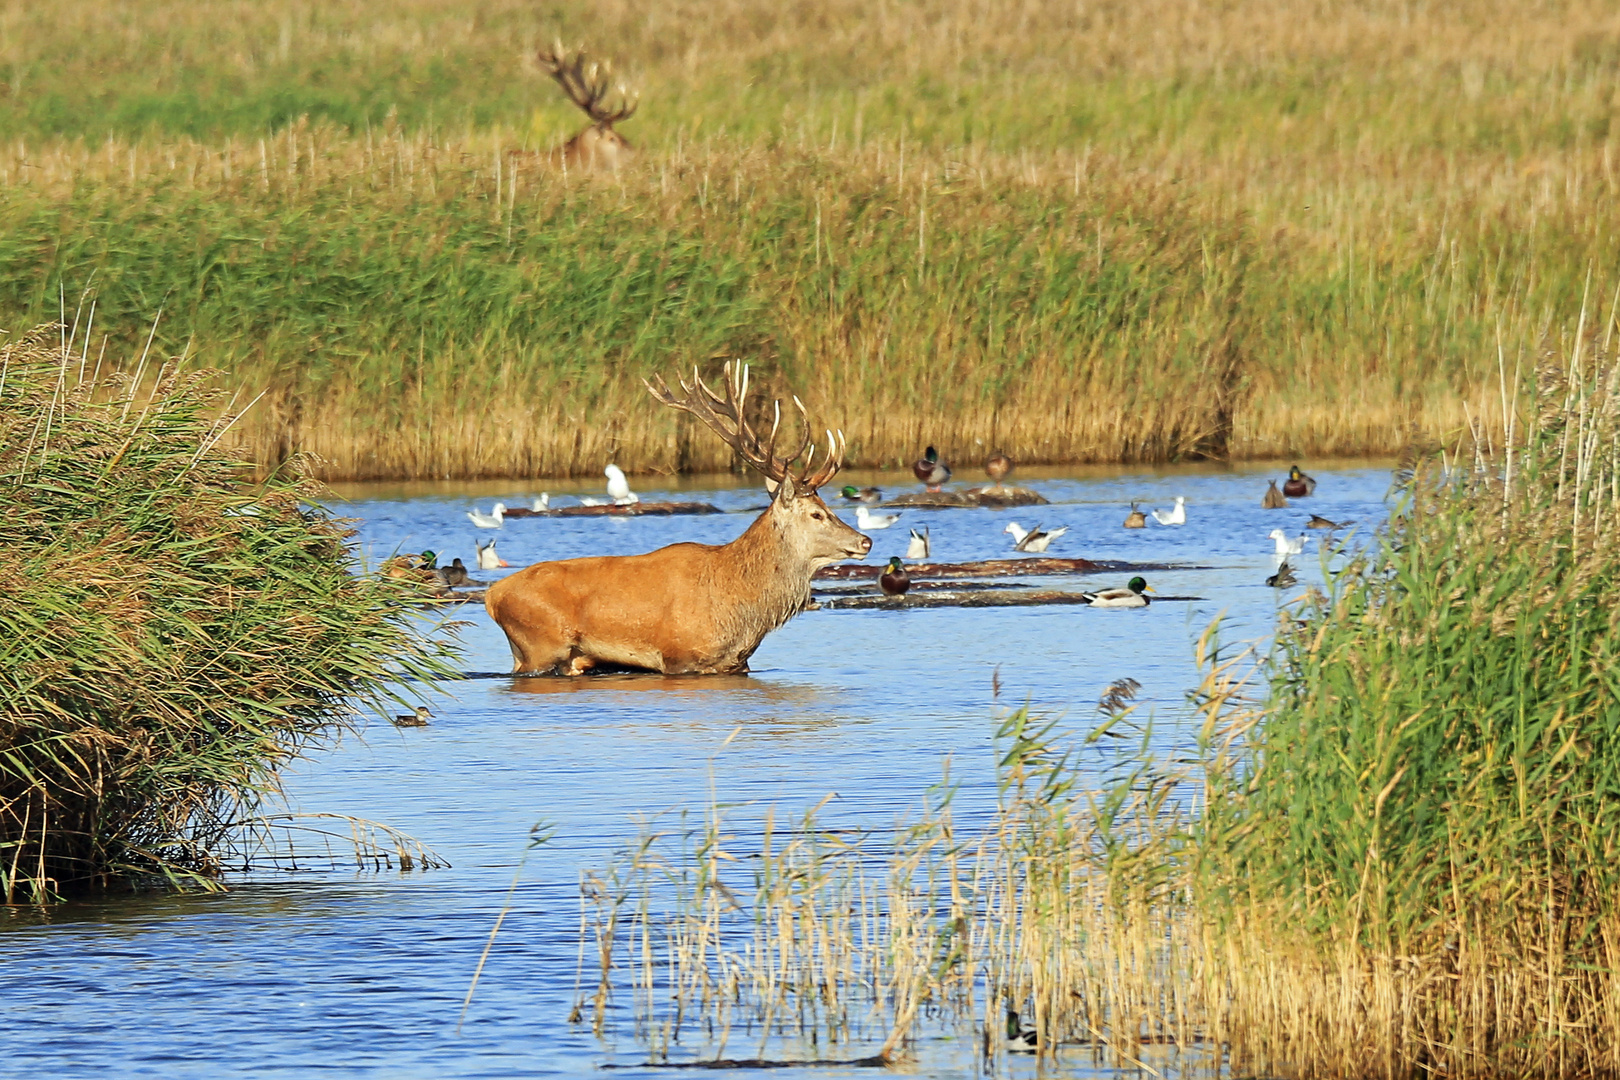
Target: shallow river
351 973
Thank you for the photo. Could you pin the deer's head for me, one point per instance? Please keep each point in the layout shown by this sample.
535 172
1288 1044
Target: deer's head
804 524
591 87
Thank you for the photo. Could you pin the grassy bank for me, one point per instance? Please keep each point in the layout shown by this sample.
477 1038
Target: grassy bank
1141 232
1391 856
173 632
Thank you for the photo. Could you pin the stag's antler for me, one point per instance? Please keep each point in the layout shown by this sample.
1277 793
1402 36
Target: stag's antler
588 87
725 416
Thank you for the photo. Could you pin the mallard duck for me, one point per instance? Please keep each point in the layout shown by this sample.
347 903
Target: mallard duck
454 574
1285 546
1032 540
997 466
1177 516
1135 519
1298 485
866 520
1129 596
1020 1039
1273 499
491 520
419 718
851 493
920 547
930 470
488 559
895 580
1323 523
415 567
1283 578
619 488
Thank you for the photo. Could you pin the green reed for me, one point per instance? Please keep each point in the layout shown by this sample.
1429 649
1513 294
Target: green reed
1389 853
174 631
1134 232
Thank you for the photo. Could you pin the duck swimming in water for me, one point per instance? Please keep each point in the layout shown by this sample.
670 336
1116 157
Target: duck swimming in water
1298 485
1020 1039
920 546
1135 519
866 520
851 493
419 718
488 559
1273 499
895 581
1129 596
1032 540
930 470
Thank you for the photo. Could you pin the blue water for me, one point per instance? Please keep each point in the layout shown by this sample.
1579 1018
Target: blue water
339 972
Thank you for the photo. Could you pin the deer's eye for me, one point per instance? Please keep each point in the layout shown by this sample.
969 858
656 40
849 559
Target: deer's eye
816 515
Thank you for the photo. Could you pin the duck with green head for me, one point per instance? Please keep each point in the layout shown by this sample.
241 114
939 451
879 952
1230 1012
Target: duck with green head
930 470
895 581
851 493
1130 596
1298 485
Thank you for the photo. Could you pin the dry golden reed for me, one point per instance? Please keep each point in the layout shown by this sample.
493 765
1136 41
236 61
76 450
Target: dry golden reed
1122 232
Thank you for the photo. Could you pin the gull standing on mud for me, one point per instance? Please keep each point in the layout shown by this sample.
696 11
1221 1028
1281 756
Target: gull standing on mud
619 488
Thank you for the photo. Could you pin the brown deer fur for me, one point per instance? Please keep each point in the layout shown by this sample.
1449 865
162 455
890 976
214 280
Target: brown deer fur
685 609
598 148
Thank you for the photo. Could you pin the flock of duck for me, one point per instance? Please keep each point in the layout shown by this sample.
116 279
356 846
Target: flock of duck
934 473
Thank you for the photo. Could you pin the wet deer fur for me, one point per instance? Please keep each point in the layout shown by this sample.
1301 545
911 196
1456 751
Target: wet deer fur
688 608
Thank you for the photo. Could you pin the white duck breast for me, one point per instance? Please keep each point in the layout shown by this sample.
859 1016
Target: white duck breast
866 520
491 520
1175 516
919 548
488 559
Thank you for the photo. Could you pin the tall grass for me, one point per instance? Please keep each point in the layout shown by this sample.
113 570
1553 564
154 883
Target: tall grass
1399 861
173 632
1137 232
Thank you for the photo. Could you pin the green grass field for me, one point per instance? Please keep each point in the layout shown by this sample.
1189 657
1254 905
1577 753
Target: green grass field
1137 232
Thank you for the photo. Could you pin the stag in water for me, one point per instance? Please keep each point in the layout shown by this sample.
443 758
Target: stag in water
590 85
688 609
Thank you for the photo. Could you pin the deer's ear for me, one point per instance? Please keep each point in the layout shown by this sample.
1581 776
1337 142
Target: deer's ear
785 493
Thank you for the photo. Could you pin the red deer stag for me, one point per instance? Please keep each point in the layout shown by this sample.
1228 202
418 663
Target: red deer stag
688 609
589 86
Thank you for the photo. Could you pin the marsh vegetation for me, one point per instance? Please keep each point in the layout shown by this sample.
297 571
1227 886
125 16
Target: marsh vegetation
174 632
1387 853
1136 232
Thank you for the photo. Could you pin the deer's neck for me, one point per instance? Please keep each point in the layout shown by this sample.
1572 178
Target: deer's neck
769 579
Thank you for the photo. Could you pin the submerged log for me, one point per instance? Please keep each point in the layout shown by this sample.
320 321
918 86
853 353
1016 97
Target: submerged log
640 509
990 497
